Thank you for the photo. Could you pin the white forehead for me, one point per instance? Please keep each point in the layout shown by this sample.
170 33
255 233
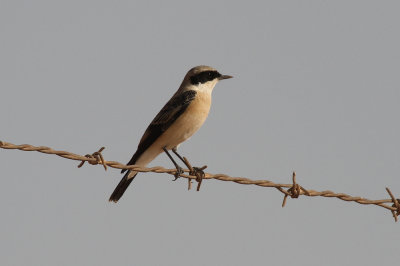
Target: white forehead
198 69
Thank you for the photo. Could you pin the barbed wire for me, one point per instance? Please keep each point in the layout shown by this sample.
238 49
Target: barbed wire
293 190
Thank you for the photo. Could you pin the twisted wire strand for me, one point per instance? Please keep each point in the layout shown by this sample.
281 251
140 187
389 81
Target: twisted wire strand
293 190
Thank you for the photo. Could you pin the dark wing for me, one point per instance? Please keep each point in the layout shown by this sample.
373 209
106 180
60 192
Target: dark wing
164 119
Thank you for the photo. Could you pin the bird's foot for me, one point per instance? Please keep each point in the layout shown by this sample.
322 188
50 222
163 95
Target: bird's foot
179 171
198 172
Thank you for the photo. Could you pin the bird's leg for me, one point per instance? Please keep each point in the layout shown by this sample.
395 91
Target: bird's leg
194 171
180 157
179 169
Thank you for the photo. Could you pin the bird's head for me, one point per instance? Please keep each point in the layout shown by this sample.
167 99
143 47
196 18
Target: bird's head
202 78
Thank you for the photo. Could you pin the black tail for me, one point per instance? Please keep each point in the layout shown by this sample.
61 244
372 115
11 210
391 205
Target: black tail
122 186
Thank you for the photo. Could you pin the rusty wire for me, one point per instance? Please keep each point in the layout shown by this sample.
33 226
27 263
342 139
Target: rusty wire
293 190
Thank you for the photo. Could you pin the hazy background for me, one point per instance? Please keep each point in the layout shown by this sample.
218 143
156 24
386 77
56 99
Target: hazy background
316 90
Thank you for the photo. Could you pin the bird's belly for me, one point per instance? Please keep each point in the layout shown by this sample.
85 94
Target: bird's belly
184 127
188 123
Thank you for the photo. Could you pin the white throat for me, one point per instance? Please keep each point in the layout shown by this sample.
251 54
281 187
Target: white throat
205 87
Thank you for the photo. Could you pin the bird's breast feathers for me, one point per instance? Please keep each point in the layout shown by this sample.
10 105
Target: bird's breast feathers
190 120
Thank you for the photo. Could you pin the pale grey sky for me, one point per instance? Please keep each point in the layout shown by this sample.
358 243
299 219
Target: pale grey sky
316 90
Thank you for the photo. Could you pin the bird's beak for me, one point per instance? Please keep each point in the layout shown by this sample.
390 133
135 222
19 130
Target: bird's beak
225 77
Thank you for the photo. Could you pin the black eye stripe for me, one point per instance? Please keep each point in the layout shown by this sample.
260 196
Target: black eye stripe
204 76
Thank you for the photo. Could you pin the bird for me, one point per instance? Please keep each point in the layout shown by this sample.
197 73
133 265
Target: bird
177 121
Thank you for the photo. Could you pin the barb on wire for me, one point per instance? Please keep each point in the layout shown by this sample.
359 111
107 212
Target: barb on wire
293 190
396 204
97 156
198 172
